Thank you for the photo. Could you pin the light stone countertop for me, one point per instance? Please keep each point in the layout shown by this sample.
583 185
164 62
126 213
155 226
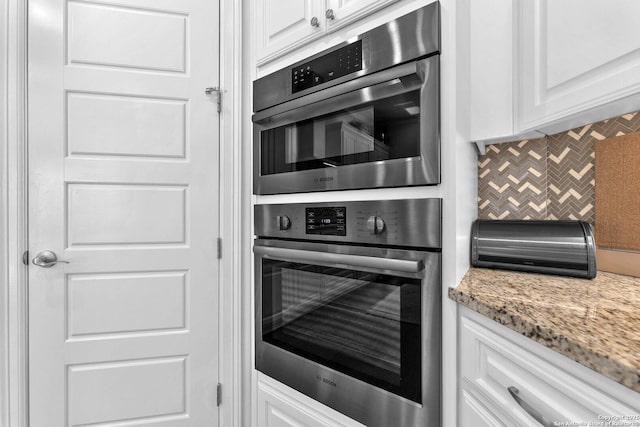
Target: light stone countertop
594 322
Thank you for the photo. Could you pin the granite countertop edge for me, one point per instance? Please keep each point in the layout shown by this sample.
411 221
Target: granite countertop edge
604 364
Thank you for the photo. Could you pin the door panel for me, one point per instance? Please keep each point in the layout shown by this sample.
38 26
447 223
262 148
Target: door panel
126 385
100 304
108 125
144 39
123 184
129 214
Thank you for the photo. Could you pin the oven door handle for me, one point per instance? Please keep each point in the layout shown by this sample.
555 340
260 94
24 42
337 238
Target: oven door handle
400 79
400 265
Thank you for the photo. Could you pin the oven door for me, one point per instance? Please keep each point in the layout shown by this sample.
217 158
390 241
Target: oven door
356 328
381 130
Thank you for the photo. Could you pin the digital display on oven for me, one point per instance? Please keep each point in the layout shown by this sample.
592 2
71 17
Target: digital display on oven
328 221
335 64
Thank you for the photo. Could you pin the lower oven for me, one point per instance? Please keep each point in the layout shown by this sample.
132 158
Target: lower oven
350 314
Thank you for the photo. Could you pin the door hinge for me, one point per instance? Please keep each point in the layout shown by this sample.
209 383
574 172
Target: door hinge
218 92
219 394
219 248
25 258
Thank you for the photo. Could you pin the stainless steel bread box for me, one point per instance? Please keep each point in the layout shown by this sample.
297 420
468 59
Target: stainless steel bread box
554 247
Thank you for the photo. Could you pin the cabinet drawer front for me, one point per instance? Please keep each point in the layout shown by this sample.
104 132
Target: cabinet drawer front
491 364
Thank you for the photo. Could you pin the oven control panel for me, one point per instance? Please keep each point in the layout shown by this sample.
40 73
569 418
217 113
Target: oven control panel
327 221
334 64
408 222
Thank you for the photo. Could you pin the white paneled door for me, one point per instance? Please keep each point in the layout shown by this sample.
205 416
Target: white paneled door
123 184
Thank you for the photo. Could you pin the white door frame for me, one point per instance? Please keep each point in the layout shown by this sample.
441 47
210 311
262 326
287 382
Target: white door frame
13 213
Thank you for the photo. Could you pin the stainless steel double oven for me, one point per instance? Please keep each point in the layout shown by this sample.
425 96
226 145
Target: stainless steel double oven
348 294
348 298
364 114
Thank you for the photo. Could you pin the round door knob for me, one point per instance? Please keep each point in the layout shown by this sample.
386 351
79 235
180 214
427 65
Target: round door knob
329 14
375 224
284 222
315 22
47 259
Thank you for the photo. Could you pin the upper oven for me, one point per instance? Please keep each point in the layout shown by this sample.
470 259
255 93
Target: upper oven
364 114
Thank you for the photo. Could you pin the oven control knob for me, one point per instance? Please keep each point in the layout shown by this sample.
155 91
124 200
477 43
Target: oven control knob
284 223
375 224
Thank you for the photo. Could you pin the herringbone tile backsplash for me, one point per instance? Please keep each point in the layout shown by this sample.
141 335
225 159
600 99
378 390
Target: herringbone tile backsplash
547 178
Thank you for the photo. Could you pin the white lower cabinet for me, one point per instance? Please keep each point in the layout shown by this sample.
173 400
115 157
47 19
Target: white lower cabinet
280 406
474 411
509 380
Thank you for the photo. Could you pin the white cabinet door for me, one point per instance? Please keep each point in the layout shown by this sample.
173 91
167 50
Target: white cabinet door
282 25
342 12
576 55
491 39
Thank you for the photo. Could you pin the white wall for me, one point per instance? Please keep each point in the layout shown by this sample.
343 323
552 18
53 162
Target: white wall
13 392
231 177
460 184
246 280
4 391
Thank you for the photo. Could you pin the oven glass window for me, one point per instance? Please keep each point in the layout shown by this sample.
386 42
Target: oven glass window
365 325
380 130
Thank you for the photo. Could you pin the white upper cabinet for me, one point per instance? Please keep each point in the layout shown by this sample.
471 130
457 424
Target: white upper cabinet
342 12
549 66
576 55
491 60
283 25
